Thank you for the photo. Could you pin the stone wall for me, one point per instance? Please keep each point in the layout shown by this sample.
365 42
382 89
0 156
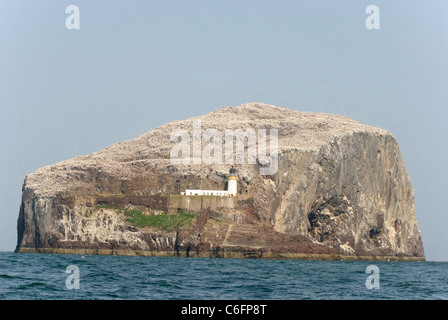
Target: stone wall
185 203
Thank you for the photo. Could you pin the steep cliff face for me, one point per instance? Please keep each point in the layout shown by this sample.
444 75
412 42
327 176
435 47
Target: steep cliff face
340 191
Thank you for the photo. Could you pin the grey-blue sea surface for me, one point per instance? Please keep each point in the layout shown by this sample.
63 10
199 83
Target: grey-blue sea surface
45 276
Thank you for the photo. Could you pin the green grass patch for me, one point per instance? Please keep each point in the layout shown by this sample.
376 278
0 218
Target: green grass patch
162 221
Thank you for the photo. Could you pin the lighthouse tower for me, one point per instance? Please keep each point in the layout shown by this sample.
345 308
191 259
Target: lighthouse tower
232 183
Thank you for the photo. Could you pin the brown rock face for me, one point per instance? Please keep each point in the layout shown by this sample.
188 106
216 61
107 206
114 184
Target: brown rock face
340 190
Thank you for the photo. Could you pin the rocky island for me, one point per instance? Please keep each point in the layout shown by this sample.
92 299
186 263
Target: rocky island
340 191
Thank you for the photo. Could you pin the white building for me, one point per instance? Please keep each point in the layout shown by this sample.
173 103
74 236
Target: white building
197 192
231 188
232 182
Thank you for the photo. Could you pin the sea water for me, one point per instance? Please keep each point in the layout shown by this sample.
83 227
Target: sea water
55 276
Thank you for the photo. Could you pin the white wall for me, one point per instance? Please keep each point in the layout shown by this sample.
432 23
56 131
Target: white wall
192 192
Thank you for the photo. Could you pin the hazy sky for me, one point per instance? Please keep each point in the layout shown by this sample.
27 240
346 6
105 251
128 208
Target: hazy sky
135 65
